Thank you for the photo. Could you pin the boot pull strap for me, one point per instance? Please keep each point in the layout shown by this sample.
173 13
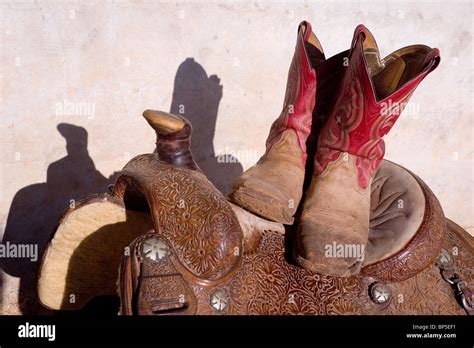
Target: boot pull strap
432 60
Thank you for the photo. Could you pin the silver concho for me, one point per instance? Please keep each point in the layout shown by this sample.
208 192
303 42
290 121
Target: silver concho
219 300
379 293
154 249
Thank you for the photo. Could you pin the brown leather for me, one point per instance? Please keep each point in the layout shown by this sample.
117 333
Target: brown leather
210 257
263 278
185 207
268 282
189 210
268 285
173 136
392 72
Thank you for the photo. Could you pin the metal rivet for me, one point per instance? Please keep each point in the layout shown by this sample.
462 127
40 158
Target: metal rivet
219 300
154 249
379 293
444 259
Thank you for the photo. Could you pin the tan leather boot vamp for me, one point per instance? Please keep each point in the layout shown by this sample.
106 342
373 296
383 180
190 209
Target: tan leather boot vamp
272 188
343 214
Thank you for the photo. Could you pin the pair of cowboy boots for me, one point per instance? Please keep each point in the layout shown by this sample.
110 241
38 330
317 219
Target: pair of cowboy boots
325 147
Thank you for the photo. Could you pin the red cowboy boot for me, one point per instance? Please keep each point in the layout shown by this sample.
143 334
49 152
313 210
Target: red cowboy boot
334 224
273 187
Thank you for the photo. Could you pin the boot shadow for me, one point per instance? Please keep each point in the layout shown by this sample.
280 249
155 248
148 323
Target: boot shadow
36 209
197 96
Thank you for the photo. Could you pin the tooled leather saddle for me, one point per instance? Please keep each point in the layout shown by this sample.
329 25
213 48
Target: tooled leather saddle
184 249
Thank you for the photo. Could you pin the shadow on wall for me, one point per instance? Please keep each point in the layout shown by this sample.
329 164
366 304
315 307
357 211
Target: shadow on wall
197 96
36 209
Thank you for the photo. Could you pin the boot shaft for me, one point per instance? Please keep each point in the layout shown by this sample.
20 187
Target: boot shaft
370 99
329 75
300 90
273 187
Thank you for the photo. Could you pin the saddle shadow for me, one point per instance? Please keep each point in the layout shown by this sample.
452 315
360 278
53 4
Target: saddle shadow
36 209
196 97
93 276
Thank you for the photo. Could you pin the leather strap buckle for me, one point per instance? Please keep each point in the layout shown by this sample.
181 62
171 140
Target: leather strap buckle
449 272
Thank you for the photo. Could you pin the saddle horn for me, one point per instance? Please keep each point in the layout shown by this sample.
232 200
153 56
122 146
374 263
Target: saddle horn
173 138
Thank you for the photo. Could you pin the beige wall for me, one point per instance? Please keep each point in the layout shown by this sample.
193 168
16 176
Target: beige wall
98 66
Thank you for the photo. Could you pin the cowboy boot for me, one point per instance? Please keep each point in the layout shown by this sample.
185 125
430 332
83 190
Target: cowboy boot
273 187
334 223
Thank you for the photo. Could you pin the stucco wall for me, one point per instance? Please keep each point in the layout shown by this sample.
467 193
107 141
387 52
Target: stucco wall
94 68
